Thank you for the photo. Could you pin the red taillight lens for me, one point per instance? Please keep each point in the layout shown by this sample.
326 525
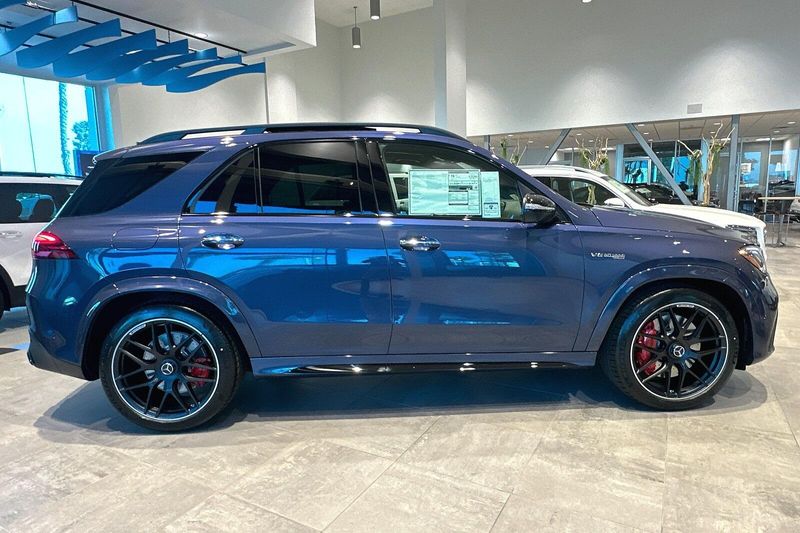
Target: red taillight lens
48 245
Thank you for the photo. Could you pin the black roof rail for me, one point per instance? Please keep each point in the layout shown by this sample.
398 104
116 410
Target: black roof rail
255 129
19 174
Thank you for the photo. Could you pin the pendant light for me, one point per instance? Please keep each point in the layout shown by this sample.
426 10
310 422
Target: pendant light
356 29
375 9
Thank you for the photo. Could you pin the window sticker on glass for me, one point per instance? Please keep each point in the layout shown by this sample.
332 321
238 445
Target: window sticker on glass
451 192
490 194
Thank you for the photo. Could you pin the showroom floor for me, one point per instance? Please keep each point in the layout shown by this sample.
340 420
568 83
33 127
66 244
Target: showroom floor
503 451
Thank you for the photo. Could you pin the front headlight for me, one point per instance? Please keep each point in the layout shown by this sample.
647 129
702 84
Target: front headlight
748 232
753 255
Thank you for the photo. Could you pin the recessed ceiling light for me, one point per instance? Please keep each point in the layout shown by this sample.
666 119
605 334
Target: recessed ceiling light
792 123
776 131
640 125
510 135
762 139
718 123
586 1
591 140
548 146
578 134
530 141
647 133
201 35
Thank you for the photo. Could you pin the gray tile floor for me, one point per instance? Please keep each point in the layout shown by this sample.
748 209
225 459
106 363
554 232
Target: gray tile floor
504 451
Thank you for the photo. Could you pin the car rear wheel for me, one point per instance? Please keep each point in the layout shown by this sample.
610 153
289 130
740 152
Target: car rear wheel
169 368
671 350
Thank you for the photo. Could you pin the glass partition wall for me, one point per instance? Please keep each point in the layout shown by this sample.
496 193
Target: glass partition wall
767 155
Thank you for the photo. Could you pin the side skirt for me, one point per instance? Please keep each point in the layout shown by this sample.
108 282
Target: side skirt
372 364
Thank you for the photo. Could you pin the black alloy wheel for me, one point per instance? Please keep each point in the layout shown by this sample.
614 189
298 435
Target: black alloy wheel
169 368
679 351
672 349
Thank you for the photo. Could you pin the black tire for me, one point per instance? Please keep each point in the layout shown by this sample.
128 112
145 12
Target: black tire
650 344
2 302
169 385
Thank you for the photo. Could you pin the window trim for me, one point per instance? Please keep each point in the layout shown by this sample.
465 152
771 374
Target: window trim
224 166
384 178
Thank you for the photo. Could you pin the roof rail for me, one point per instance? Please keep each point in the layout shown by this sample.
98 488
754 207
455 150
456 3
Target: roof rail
255 129
19 174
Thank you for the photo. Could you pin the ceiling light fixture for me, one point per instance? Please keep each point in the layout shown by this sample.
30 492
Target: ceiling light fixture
791 123
375 9
356 29
640 125
586 1
201 35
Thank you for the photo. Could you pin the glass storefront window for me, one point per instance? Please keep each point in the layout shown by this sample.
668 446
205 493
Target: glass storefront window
46 126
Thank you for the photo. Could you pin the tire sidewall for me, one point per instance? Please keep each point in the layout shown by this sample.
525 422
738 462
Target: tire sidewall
229 369
629 331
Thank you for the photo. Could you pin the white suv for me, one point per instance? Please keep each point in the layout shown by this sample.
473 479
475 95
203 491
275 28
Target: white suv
588 187
27 203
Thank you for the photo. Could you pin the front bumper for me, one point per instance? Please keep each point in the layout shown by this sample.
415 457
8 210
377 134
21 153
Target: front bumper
765 326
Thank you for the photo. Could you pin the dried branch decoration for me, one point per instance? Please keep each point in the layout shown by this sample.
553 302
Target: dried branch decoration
596 157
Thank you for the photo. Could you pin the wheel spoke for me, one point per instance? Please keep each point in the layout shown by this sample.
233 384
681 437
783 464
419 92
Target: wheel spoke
191 392
154 335
184 343
129 374
153 386
170 339
689 321
177 395
138 360
703 353
134 387
198 365
655 374
163 400
199 380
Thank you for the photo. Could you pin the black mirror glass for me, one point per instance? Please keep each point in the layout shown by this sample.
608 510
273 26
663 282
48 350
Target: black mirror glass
538 209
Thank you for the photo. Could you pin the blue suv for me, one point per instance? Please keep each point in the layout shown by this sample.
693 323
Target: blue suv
196 256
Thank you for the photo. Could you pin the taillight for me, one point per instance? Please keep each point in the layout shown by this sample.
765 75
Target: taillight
48 245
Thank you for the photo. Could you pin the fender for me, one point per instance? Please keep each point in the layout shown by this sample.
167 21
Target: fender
719 273
115 288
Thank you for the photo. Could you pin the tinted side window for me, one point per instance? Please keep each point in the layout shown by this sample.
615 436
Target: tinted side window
432 180
113 183
234 190
580 191
309 178
31 202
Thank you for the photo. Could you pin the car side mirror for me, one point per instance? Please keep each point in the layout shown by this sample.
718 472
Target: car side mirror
614 202
538 209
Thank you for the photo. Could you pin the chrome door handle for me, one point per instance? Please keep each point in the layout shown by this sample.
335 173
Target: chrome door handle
222 241
419 244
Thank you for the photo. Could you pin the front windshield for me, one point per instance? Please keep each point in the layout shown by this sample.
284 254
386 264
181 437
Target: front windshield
621 190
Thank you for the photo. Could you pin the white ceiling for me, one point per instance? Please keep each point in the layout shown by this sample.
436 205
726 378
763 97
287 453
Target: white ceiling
247 25
340 12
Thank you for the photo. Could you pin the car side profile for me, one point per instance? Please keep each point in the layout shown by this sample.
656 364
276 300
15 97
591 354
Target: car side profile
27 203
194 257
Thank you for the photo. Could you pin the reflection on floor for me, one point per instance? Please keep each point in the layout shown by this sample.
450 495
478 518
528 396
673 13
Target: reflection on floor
502 451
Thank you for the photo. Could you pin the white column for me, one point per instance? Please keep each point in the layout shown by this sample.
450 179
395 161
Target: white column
450 65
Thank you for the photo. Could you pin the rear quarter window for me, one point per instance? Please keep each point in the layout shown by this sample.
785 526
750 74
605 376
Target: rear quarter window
115 182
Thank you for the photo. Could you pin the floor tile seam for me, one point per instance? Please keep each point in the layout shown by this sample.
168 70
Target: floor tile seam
259 506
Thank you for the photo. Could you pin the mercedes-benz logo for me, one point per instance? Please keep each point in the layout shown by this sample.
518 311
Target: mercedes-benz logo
678 351
167 368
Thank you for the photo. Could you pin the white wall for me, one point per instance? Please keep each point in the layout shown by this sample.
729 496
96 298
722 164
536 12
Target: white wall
390 78
140 111
552 64
305 86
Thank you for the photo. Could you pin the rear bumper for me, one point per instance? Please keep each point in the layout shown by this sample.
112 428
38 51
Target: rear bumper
39 357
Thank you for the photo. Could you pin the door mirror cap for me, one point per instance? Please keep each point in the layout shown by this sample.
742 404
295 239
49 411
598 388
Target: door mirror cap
614 202
539 210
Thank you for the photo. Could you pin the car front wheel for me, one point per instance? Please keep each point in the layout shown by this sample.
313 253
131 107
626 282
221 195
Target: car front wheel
169 368
671 350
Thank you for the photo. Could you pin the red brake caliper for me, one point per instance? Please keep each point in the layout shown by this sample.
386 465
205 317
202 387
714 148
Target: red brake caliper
200 372
641 355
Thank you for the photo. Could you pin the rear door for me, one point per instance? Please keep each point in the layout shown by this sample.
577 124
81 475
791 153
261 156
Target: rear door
291 230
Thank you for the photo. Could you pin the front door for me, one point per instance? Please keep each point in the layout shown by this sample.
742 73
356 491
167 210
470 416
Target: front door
468 276
284 228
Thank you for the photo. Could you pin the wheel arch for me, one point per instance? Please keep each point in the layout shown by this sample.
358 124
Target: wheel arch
5 289
108 309
721 288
